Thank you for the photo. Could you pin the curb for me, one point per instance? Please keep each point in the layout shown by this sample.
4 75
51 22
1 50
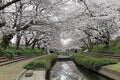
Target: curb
21 74
109 73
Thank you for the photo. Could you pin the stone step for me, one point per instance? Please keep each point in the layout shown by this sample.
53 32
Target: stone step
15 60
19 57
16 56
2 57
104 55
6 59
3 60
29 73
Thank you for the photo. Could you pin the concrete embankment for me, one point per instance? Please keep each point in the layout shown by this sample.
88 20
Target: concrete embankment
111 71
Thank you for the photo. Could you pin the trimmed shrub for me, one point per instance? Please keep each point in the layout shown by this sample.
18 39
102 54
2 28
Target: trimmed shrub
27 50
114 48
42 62
98 48
92 62
11 51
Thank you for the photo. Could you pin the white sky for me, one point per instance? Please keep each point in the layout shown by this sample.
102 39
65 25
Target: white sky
66 41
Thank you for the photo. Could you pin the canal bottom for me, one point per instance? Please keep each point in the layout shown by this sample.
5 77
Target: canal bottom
67 70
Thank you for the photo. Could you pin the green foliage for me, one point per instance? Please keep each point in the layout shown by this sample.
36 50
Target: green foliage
114 48
92 62
35 65
98 49
42 62
11 51
1 50
82 50
28 50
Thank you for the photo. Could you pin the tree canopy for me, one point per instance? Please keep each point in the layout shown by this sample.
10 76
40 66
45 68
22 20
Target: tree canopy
59 24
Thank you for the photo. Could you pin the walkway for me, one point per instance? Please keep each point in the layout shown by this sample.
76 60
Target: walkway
37 75
11 71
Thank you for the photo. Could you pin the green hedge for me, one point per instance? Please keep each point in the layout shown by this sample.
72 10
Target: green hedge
114 48
42 62
11 51
92 62
28 50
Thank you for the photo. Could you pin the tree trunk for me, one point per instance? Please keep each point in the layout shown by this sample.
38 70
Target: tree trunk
18 42
6 40
89 43
33 46
26 42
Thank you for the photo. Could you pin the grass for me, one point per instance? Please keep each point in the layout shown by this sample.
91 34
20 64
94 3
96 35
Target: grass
43 62
92 62
11 51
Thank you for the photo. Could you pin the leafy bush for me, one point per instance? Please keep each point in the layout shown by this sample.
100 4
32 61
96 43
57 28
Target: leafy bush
35 65
1 51
114 48
92 62
27 50
82 49
98 49
42 62
11 51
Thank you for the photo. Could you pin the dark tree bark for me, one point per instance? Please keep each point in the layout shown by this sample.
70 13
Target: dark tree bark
8 4
89 42
2 24
34 43
6 40
18 41
27 42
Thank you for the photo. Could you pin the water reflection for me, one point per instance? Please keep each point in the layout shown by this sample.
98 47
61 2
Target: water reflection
67 70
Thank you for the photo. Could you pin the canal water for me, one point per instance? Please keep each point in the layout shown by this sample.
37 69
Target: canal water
67 70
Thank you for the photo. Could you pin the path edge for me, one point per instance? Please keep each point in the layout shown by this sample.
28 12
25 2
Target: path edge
21 74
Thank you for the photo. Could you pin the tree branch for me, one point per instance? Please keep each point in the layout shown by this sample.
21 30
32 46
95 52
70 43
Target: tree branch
8 4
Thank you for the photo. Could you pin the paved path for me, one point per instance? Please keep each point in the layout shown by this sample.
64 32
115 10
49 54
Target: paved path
37 75
11 71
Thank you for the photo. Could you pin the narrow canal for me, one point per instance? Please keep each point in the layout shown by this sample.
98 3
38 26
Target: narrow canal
67 70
